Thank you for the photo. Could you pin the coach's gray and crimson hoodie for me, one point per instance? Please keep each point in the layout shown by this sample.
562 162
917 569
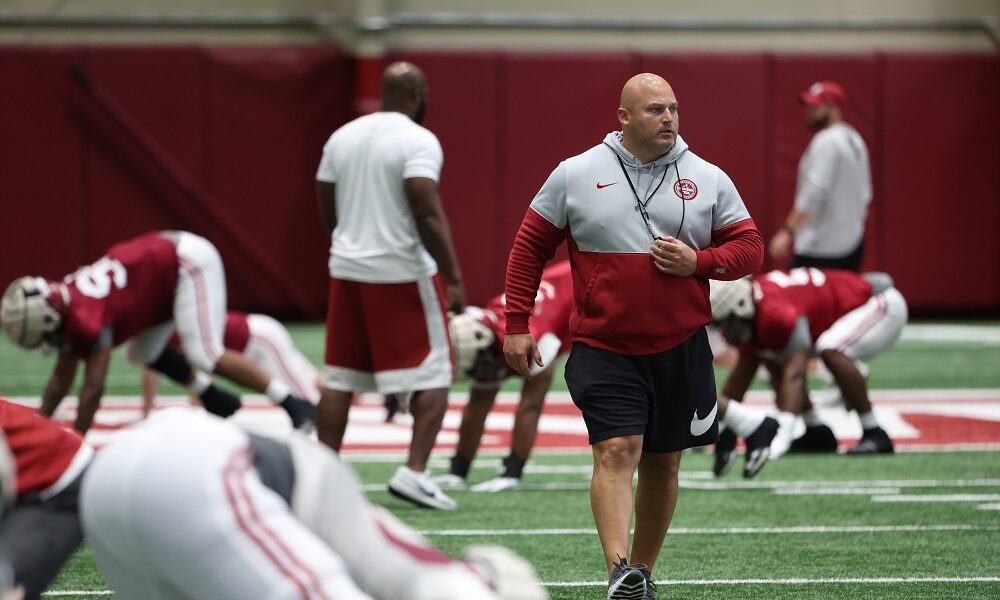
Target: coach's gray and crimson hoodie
622 302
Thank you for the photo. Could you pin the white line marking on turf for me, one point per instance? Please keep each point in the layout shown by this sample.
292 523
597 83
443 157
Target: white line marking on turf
723 530
803 581
995 506
899 483
939 498
847 491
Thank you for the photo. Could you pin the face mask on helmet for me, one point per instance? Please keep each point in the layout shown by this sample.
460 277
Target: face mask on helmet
469 338
26 315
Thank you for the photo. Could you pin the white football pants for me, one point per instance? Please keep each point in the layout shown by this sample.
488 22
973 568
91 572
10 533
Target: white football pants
173 508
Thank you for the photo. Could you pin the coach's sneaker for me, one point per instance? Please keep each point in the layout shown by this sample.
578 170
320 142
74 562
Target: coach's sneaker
301 412
725 452
650 587
420 489
219 402
498 484
627 582
450 481
759 446
817 438
873 441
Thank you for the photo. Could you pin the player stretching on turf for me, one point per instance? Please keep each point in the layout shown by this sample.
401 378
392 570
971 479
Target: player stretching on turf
477 337
783 319
141 290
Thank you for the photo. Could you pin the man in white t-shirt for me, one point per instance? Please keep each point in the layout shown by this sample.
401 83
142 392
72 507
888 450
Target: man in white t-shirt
834 188
387 329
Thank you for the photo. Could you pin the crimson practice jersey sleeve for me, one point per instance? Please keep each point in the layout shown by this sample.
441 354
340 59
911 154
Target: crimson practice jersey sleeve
129 289
42 449
819 295
553 305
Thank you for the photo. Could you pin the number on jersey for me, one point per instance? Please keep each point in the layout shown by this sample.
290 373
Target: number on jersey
96 280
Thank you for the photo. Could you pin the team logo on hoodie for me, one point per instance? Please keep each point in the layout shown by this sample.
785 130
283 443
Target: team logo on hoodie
685 189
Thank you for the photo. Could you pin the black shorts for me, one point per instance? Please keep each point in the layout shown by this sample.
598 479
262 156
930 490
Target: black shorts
851 262
668 398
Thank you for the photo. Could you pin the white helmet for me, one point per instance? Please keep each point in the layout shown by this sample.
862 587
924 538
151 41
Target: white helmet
731 299
468 337
512 577
26 315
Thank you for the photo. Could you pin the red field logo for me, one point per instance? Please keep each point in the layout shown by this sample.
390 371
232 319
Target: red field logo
686 189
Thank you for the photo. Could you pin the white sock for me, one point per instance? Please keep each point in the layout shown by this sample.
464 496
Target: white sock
199 384
787 421
868 420
811 418
741 419
277 391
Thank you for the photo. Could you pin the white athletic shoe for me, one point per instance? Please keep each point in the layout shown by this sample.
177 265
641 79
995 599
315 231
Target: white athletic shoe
497 485
420 489
450 481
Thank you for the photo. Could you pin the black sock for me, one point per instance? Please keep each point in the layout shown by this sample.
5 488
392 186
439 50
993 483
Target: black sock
219 402
460 466
173 364
513 466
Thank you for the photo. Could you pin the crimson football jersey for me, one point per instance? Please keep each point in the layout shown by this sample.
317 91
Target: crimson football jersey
553 304
129 289
821 296
42 449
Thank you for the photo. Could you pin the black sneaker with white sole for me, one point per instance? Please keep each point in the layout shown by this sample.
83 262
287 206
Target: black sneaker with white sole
873 441
725 452
817 438
759 446
627 582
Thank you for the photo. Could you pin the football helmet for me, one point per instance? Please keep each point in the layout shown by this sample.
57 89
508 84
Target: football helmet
25 313
731 299
469 337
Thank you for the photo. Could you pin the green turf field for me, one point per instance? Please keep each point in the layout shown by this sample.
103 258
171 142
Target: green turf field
908 526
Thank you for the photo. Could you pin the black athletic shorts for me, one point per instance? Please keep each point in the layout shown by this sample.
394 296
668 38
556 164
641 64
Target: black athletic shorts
669 397
851 262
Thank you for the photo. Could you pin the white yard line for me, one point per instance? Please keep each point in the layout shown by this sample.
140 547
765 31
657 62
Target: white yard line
939 498
898 483
807 529
802 581
720 582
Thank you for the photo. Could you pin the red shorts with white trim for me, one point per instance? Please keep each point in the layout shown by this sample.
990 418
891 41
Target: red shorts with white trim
387 337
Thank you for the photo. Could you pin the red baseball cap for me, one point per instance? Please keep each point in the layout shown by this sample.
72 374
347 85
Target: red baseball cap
821 91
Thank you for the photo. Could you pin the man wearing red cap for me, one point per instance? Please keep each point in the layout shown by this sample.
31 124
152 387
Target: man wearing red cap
827 223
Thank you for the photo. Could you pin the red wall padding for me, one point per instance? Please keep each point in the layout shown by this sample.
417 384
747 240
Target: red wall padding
941 169
43 173
244 128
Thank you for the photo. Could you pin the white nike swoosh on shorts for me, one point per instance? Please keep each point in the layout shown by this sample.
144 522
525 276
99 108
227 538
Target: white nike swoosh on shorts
700 426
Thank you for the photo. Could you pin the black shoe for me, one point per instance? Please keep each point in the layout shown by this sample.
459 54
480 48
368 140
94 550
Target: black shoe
301 412
650 586
725 452
873 441
817 438
392 405
759 446
220 402
627 582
